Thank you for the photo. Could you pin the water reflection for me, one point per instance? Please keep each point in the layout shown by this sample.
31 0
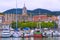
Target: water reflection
4 38
32 38
15 38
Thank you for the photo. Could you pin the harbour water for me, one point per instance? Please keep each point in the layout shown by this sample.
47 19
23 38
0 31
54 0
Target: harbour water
32 38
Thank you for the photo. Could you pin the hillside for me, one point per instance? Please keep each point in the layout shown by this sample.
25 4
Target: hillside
34 12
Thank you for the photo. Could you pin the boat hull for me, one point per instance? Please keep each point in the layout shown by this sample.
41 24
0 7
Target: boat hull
38 35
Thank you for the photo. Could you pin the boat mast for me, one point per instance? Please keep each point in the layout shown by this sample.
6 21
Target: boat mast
39 20
16 14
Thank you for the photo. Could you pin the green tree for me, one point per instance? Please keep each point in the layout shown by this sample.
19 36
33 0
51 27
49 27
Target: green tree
48 24
55 24
34 24
43 24
13 25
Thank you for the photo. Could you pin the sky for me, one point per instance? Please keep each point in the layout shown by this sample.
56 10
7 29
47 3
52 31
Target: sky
53 5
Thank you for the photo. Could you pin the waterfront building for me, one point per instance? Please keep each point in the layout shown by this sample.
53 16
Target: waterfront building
20 17
40 17
6 25
1 19
24 14
45 18
59 21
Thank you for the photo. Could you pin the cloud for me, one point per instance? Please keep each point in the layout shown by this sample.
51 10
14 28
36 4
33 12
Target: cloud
53 5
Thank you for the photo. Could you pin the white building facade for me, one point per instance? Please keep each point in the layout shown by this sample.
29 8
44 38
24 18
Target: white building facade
59 21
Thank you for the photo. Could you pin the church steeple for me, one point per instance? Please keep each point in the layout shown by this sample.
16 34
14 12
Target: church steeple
24 11
24 14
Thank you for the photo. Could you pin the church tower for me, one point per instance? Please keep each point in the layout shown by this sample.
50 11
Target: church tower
24 14
24 10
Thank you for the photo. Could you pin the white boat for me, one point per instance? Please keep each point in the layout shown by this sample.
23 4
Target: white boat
26 33
56 33
48 33
6 33
32 32
16 34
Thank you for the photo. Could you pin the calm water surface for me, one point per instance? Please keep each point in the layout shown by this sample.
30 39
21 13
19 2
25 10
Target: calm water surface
49 38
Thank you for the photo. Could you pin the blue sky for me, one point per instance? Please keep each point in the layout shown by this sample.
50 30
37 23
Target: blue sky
53 5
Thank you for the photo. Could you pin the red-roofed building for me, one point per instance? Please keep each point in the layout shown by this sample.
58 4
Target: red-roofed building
44 18
54 18
40 18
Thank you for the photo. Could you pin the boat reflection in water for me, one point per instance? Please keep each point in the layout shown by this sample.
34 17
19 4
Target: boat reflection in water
32 38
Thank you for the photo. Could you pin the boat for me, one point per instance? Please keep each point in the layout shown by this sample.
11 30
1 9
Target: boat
26 35
32 33
26 32
15 34
56 34
37 34
6 33
47 33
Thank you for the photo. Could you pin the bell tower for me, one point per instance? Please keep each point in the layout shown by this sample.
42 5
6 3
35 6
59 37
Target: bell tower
24 10
24 14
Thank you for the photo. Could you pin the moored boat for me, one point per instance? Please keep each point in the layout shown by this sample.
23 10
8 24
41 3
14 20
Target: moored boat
37 34
6 33
16 34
